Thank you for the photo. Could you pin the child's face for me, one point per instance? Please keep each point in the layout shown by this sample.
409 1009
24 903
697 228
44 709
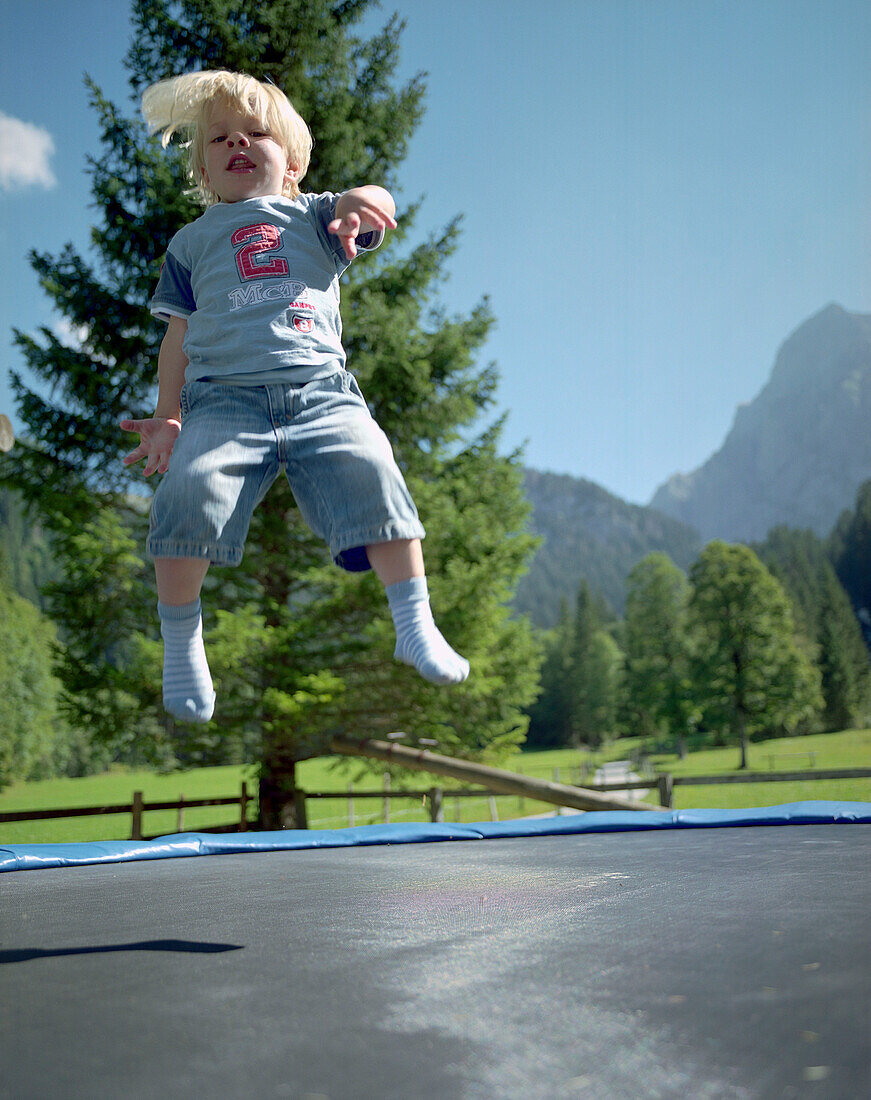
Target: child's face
243 160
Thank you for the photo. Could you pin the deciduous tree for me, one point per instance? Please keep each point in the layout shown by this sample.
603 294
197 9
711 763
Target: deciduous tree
750 675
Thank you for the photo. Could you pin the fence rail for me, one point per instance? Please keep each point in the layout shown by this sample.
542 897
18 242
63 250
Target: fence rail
136 808
434 797
665 782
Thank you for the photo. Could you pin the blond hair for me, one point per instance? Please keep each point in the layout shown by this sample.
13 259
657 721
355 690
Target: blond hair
182 105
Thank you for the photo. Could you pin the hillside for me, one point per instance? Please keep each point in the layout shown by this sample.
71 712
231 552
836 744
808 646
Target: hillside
26 561
590 534
798 452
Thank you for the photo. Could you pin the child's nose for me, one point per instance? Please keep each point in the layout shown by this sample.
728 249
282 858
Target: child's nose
237 139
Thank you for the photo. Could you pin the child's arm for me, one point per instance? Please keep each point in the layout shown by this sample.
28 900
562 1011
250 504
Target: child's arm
157 435
359 211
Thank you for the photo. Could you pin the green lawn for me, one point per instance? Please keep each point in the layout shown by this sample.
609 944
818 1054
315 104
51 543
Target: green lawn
850 749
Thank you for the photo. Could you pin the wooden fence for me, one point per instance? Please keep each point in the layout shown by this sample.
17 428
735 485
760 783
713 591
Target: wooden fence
665 783
138 807
432 797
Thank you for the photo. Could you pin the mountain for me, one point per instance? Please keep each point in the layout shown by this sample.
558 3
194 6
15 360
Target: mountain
799 451
26 560
589 534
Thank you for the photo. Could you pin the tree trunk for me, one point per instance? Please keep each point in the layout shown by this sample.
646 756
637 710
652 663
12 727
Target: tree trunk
281 805
742 729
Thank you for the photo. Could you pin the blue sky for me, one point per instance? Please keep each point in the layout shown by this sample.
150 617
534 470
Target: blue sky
655 194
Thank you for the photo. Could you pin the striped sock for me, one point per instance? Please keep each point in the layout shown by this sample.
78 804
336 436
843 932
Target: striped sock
419 641
187 682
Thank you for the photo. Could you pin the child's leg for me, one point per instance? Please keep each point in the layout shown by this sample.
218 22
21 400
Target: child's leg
419 642
187 682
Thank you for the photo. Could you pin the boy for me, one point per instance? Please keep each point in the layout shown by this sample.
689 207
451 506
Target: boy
252 379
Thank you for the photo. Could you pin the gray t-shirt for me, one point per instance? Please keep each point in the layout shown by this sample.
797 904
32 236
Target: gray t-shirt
258 283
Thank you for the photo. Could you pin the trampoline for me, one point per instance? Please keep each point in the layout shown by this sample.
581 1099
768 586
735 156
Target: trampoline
693 954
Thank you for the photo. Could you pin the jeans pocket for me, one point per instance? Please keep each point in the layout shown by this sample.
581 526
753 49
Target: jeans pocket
351 387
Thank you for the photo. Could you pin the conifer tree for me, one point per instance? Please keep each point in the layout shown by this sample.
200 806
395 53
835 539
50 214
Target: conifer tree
824 616
850 551
580 678
658 644
299 650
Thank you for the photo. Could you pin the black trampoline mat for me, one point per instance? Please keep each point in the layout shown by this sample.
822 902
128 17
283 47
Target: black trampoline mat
703 963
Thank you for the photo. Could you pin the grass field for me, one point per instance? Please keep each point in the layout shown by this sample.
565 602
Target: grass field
850 749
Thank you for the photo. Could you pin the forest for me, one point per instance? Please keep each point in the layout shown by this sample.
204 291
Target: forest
753 642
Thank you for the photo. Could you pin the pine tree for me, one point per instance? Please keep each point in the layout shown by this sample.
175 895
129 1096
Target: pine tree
750 675
581 678
659 695
300 650
550 716
824 616
850 551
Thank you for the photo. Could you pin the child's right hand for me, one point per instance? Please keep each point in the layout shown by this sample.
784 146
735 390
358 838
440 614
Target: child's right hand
157 437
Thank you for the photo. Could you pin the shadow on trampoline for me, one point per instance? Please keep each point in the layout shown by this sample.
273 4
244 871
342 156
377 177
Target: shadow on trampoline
193 947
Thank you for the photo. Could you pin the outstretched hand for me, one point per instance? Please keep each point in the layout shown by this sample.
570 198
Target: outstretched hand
157 437
361 214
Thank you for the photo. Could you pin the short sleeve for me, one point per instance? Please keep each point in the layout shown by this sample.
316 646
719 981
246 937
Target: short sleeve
323 210
173 296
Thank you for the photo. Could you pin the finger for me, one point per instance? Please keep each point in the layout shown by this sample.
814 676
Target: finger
132 425
378 217
375 213
350 224
134 456
161 461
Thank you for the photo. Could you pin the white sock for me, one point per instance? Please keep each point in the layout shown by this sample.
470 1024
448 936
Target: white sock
187 682
419 641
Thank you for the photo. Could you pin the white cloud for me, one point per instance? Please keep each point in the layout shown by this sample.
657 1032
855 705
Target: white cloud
25 153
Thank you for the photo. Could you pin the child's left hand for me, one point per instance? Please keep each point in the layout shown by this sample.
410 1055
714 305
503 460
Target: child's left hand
360 211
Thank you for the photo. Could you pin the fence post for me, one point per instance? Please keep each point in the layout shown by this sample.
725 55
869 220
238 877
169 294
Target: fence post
387 798
300 808
666 790
350 805
436 813
494 813
179 827
243 808
556 779
136 811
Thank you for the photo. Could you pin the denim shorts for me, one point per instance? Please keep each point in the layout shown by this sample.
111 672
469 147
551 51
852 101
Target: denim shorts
234 442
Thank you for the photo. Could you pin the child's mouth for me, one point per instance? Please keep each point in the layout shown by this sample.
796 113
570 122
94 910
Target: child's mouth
240 164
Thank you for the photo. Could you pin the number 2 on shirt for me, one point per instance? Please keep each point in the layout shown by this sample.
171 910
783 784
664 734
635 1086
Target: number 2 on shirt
258 239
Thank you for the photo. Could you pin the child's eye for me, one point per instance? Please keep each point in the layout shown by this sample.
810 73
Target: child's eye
220 137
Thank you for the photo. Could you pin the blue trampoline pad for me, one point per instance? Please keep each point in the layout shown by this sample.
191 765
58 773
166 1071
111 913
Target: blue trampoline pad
685 955
26 857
